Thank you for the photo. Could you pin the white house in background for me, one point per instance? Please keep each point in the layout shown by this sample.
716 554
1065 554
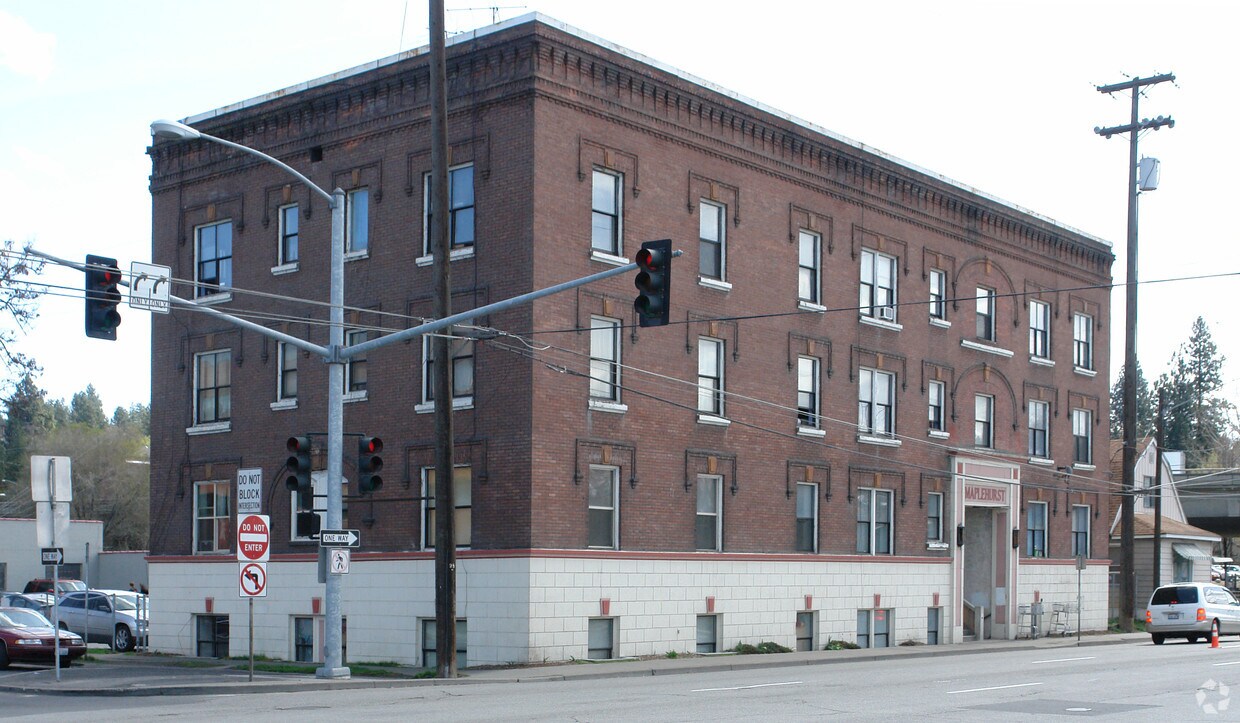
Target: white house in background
1185 551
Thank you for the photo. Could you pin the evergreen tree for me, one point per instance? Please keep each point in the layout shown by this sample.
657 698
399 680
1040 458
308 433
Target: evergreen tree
87 409
1196 416
27 417
137 416
1146 406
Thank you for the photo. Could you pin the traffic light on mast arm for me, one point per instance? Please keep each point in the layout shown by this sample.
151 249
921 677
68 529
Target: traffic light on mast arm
102 297
654 283
368 465
298 465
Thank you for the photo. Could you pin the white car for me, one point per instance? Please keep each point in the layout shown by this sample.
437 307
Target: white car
98 616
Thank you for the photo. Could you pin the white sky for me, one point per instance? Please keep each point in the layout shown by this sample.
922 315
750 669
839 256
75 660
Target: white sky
996 95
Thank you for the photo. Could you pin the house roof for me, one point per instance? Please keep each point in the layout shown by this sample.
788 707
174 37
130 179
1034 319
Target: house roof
1143 526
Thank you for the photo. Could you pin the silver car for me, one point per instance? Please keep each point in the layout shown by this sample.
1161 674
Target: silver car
1191 610
105 618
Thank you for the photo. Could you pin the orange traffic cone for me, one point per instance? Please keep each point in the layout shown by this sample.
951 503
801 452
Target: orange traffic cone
1214 635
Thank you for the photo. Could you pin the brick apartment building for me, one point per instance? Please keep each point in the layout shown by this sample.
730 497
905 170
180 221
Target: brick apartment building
875 417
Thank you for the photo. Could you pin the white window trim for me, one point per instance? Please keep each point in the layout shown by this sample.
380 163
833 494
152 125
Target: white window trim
619 176
718 478
720 349
722 210
606 258
280 237
1042 461
872 321
614 472
465 252
942 511
1085 372
938 434
1041 361
942 407
282 269
891 521
426 212
210 428
713 420
614 327
715 284
990 422
218 425
810 306
1084 467
880 441
357 255
349 195
941 323
814 515
989 349
817 237
290 403
220 298
350 397
457 403
227 518
811 432
603 405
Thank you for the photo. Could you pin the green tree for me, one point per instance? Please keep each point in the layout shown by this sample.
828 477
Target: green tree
27 417
18 301
137 416
1146 403
1196 419
87 408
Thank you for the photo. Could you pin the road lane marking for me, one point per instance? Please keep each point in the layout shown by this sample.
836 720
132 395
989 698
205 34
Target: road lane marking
746 687
1231 662
993 687
1062 660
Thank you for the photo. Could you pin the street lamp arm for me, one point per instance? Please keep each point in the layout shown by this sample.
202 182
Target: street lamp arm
176 129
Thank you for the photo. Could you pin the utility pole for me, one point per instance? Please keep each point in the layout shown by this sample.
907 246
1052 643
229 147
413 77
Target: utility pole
1128 582
1158 482
445 500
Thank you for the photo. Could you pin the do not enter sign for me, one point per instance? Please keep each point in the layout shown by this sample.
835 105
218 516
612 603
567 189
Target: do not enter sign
253 538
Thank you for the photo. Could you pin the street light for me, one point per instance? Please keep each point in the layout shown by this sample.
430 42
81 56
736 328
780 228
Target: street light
333 666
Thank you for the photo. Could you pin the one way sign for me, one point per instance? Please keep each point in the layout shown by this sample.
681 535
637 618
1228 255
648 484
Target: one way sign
340 538
52 555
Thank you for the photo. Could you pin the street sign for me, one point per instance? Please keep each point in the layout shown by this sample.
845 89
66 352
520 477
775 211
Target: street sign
339 564
340 538
249 491
149 286
253 579
53 555
253 538
50 479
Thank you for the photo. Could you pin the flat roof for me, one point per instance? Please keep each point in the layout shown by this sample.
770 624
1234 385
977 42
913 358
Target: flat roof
470 35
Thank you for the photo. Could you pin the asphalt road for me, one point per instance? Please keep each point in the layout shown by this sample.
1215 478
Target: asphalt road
1176 681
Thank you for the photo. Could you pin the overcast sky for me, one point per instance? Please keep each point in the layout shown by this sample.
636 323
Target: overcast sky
999 96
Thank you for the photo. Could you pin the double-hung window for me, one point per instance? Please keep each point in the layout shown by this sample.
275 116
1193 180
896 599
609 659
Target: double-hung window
878 285
809 267
983 420
936 392
1039 329
212 517
1035 529
708 522
213 387
807 393
1082 436
604 359
874 518
1080 530
213 264
710 376
288 234
1082 341
712 243
985 314
355 367
938 294
934 517
462 351
462 501
605 235
807 517
604 506
357 221
460 209
286 371
1039 426
876 403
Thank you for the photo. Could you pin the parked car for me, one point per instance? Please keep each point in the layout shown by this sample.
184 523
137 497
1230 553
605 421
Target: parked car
104 618
28 637
1190 610
45 585
38 602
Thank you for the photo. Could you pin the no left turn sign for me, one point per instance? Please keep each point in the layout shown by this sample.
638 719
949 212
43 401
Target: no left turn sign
253 579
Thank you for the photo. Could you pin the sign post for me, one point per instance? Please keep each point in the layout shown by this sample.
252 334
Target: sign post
253 543
51 489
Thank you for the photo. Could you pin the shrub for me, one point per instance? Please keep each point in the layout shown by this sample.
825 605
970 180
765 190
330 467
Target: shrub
841 645
765 646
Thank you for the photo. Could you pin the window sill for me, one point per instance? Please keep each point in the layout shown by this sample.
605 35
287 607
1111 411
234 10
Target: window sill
712 420
941 323
1041 361
356 255
213 428
978 346
871 321
465 252
715 284
937 546
605 405
1042 461
804 305
1085 372
457 403
212 553
812 432
283 269
1083 467
284 404
939 434
350 397
606 258
880 441
222 297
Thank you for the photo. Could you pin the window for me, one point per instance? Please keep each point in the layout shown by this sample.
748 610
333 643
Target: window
288 234
935 393
604 505
309 511
303 639
1080 530
462 500
938 294
213 387
1082 341
809 260
707 633
874 512
805 631
214 250
212 517
712 248
1039 329
1149 492
212 636
874 628
983 420
460 208
1035 529
934 517
985 314
605 212
1082 436
1039 421
878 285
807 517
807 393
286 385
604 359
1182 569
934 625
707 532
430 650
875 409
355 367
710 376
462 351
357 221
600 639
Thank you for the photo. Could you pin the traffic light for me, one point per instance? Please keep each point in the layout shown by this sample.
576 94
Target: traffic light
368 465
654 283
298 464
102 297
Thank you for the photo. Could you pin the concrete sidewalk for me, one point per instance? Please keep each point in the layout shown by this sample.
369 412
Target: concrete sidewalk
152 674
